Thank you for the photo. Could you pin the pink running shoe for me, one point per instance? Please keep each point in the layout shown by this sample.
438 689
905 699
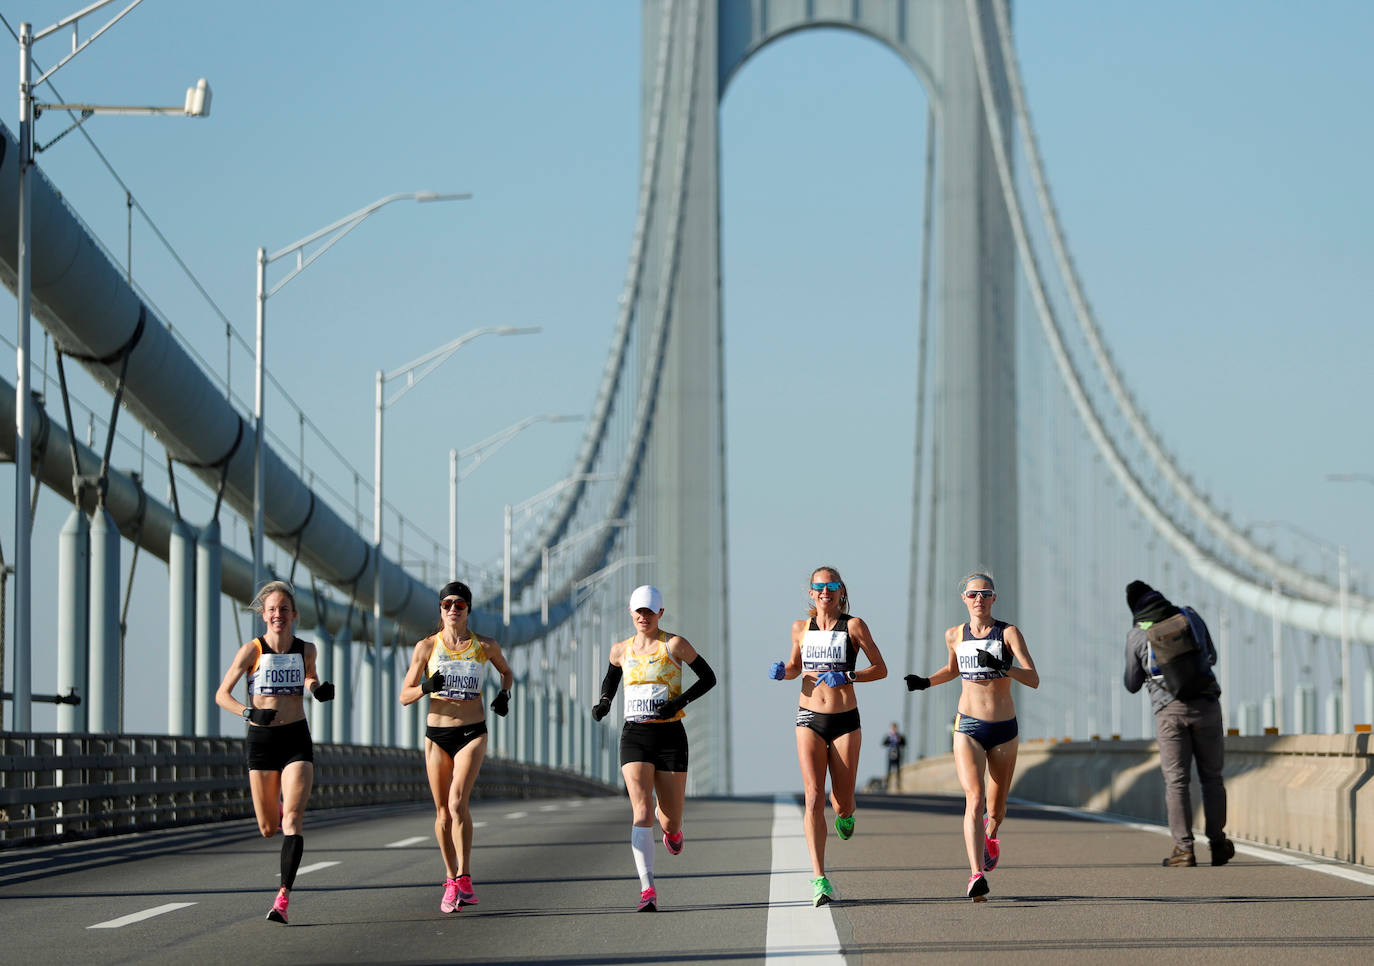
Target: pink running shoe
467 896
278 911
992 849
978 887
648 901
673 843
450 901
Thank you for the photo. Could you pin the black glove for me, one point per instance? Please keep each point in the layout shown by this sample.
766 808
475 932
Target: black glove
324 691
435 682
501 703
670 707
260 716
601 709
986 659
914 682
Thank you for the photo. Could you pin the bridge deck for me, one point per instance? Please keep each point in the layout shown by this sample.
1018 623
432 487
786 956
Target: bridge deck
557 886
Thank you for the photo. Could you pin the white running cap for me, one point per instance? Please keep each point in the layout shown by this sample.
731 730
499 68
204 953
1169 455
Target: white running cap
646 596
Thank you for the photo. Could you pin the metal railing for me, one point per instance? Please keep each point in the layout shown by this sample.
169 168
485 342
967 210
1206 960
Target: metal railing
57 788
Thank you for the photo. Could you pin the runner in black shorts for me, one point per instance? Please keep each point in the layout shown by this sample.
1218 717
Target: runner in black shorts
983 652
449 667
825 648
653 745
281 760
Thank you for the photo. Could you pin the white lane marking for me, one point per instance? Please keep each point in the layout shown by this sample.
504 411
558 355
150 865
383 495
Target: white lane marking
140 916
794 927
549 808
516 814
317 866
479 824
406 843
1297 859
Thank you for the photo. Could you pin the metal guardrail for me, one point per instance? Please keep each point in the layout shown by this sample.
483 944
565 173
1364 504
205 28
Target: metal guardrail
57 788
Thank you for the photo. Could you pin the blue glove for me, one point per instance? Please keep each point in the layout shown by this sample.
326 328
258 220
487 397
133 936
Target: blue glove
832 679
777 670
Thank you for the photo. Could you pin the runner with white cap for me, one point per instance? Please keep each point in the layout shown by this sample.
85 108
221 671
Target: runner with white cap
653 744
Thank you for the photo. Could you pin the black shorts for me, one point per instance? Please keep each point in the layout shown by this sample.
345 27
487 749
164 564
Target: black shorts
662 744
454 740
272 749
829 726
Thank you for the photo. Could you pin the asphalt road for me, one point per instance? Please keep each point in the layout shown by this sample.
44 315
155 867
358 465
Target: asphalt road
557 885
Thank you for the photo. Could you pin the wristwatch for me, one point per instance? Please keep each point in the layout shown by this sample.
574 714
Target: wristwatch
852 676
247 713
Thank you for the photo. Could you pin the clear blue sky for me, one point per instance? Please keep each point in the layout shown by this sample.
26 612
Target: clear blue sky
1210 163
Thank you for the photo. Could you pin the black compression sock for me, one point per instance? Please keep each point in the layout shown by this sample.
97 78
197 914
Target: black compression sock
291 848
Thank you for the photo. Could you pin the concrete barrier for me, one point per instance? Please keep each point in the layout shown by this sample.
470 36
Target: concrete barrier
1310 793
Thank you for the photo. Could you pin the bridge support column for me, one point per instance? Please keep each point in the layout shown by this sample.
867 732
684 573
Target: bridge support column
341 710
181 631
106 661
208 669
73 620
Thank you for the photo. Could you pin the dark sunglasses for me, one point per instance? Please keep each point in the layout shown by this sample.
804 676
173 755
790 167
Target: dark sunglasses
453 603
975 594
830 585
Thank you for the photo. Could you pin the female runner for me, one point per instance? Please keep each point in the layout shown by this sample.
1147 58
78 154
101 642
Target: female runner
281 757
825 647
448 667
984 653
653 744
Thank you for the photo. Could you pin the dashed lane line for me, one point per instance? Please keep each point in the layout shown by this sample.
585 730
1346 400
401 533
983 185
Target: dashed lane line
407 843
140 916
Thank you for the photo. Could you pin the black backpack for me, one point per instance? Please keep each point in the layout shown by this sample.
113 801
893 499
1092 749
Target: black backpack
1176 660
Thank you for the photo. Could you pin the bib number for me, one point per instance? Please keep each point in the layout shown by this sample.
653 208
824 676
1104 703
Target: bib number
642 701
825 651
462 680
280 674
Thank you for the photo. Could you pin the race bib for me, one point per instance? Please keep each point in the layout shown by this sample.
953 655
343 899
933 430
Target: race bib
967 653
642 701
462 680
825 651
280 674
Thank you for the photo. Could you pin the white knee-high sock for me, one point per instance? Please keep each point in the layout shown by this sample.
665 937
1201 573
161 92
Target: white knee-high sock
642 845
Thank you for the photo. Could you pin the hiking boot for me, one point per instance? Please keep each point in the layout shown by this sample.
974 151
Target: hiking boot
1223 851
1180 857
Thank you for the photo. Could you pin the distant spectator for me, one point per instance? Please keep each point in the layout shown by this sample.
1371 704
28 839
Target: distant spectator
894 741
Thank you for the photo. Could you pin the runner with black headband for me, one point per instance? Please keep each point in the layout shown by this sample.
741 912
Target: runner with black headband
825 650
984 652
653 744
448 667
281 758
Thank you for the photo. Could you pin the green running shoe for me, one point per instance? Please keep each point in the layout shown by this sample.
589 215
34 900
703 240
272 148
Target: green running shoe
822 892
844 825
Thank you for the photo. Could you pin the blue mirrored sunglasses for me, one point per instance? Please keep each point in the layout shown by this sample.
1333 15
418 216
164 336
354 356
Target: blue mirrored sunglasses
830 585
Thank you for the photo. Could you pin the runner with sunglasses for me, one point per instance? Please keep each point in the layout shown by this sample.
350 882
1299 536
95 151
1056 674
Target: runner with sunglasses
448 667
825 648
983 652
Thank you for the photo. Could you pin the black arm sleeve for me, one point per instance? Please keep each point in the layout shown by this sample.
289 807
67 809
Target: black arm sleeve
610 682
706 679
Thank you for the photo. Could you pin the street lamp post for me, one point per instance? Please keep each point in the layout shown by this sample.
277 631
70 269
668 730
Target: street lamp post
479 452
525 507
197 105
1347 686
333 233
426 364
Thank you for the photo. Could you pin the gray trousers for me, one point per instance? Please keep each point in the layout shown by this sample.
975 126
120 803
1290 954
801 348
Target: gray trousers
1187 731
